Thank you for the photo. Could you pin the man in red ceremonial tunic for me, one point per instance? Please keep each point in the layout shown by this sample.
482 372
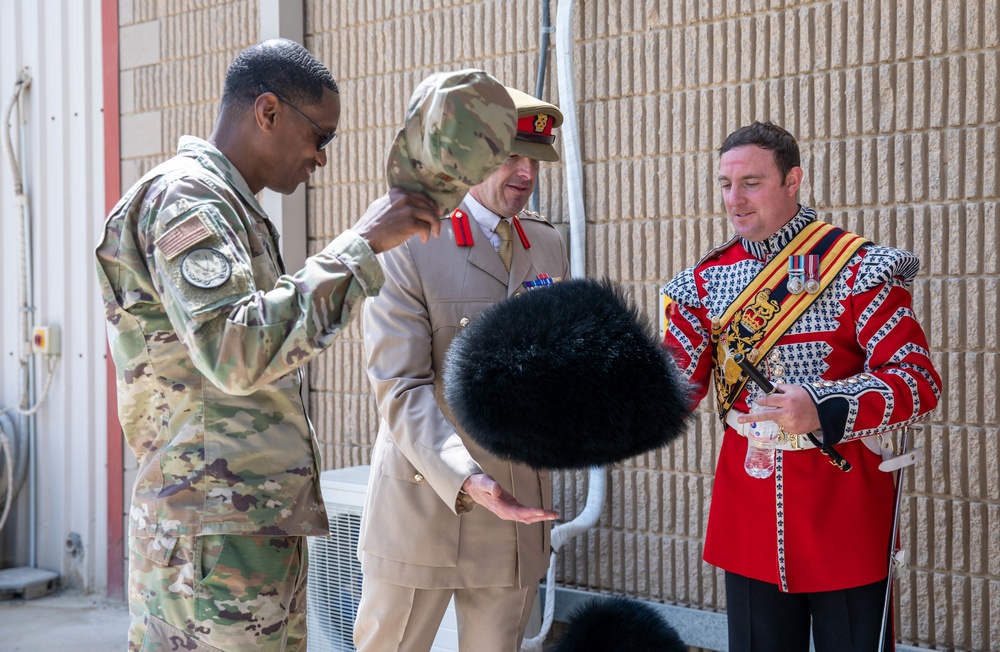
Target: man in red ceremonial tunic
827 317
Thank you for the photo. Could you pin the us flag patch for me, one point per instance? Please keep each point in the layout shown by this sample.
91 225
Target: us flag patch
181 237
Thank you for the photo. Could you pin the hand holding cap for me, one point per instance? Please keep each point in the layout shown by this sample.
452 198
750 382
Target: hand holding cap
459 128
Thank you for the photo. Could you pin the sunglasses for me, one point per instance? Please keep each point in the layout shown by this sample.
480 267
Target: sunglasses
321 141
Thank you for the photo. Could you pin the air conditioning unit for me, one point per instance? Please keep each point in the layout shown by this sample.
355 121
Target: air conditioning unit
334 584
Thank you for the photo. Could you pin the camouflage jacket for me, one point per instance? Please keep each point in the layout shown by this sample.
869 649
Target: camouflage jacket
209 336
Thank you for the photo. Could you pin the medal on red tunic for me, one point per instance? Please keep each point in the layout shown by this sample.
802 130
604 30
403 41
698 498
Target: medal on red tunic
803 273
796 274
812 274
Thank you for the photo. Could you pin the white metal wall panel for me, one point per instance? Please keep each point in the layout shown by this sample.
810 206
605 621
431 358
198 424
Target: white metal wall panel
60 43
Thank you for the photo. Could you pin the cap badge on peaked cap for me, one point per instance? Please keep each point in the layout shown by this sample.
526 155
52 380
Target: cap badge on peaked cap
536 129
535 121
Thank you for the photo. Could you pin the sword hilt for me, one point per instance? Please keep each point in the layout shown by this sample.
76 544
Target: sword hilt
759 379
754 374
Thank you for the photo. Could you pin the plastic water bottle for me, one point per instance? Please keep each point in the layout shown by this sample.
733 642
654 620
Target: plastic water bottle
762 437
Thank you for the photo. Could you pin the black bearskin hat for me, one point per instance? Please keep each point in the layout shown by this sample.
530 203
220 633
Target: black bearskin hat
617 623
565 376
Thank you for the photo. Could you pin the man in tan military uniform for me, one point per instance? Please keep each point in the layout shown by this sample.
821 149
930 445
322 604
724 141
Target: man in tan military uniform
442 516
209 335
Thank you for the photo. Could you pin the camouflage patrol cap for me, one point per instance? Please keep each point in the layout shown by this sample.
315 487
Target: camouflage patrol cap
535 121
459 128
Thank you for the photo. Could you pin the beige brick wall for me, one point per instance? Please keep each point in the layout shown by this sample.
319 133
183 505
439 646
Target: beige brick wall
173 60
895 106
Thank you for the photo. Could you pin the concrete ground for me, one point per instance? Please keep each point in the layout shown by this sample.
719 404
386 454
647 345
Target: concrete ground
70 620
65 620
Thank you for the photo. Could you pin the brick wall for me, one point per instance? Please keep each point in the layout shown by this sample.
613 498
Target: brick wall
895 107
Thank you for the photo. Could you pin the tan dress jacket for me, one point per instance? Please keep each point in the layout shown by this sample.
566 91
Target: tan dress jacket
417 530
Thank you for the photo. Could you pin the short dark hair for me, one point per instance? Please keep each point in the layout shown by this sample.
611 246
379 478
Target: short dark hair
769 136
284 67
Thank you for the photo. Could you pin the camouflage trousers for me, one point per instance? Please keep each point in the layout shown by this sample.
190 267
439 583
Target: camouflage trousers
217 592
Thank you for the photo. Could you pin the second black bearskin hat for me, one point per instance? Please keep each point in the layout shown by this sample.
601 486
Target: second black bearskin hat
565 376
610 624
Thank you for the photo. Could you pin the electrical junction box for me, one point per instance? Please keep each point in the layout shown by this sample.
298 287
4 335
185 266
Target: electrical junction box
45 340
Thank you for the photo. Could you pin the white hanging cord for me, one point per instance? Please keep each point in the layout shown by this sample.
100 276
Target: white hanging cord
23 81
586 519
7 450
51 362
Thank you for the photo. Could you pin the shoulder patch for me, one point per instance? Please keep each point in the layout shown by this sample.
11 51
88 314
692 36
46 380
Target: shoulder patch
683 290
880 264
183 236
715 253
531 215
205 268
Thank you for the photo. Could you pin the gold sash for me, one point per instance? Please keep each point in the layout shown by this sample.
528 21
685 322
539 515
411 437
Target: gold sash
755 321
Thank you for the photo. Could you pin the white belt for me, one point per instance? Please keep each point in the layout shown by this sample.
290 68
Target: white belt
879 445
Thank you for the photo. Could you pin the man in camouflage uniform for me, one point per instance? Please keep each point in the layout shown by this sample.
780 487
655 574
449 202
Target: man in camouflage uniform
443 517
209 335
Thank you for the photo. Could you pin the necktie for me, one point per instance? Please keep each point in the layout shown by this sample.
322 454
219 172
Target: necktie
506 249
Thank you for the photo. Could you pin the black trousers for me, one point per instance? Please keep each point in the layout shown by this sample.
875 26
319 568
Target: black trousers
763 619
